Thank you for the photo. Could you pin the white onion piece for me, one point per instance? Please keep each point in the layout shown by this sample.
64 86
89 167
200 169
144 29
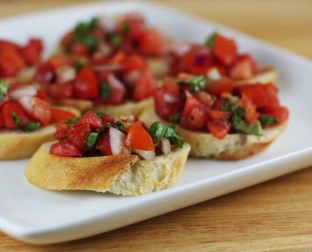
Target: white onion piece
116 141
65 74
23 91
179 47
108 23
108 67
132 77
26 102
170 98
144 154
165 145
213 74
114 82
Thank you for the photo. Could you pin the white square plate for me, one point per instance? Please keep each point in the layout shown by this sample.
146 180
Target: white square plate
39 216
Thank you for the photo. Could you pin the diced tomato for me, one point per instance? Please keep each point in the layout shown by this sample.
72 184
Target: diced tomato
108 120
118 58
12 109
78 135
60 90
41 95
57 61
61 130
79 49
224 49
217 87
2 122
271 93
255 92
37 109
144 87
218 114
65 149
282 113
85 85
205 98
251 114
132 26
134 62
10 63
137 137
44 74
7 45
197 118
218 128
59 115
243 68
92 119
32 51
191 103
151 43
103 143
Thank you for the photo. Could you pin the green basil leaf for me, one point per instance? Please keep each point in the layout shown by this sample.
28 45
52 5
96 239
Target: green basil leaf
3 89
268 119
119 125
105 91
115 39
32 126
90 41
83 28
196 83
159 130
91 140
125 28
79 66
16 119
73 120
211 40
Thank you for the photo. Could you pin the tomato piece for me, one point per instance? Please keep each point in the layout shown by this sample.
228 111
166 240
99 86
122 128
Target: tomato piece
78 134
41 95
59 115
108 120
251 114
217 87
191 103
57 61
151 43
80 49
134 62
243 68
65 149
217 114
2 122
118 58
92 119
44 74
103 143
255 92
197 118
60 90
224 49
10 63
61 130
205 98
132 26
144 87
37 109
20 118
218 128
32 51
271 93
85 85
282 113
7 45
138 137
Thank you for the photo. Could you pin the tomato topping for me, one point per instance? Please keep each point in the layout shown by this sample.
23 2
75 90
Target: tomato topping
251 114
2 122
255 92
85 85
59 115
134 63
103 143
78 134
14 115
32 51
60 90
61 130
137 137
218 128
144 87
224 49
7 45
243 68
65 149
10 63
92 119
132 26
282 113
151 43
217 87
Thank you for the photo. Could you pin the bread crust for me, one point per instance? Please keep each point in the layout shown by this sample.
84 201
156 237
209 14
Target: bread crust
17 144
232 147
267 74
118 174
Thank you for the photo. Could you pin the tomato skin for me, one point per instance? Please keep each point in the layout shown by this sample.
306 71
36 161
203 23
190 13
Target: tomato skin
218 128
255 92
151 43
32 51
271 91
11 63
282 113
14 106
92 119
217 87
251 114
7 45
135 24
78 134
224 49
85 85
137 137
144 87
103 143
44 74
2 122
243 68
58 115
134 62
61 130
60 90
217 114
79 49
65 149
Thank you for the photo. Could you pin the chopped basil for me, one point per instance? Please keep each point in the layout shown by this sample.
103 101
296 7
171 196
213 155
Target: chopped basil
100 114
158 130
115 39
125 28
82 33
119 125
105 91
90 41
238 122
175 118
79 66
73 120
32 126
91 140
16 119
211 39
196 83
268 119
3 89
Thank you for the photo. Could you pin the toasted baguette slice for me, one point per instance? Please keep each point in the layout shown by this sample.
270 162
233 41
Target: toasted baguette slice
82 105
232 147
17 144
118 174
267 74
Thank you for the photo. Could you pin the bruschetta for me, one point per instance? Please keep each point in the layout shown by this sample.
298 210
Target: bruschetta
18 62
26 120
99 153
219 119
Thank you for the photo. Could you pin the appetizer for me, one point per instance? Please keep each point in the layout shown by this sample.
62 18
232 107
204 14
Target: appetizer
100 153
26 120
